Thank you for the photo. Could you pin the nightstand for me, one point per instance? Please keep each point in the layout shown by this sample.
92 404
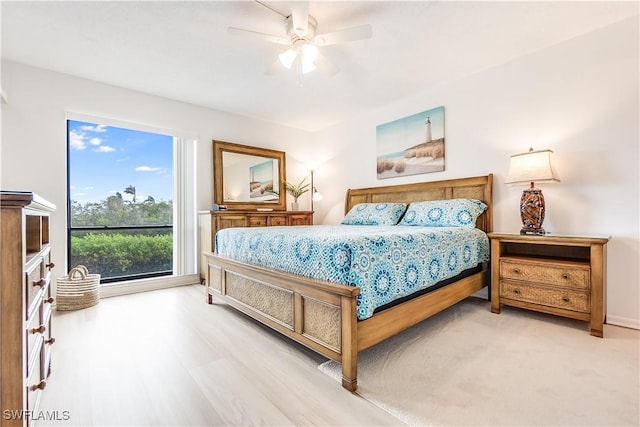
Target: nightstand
557 274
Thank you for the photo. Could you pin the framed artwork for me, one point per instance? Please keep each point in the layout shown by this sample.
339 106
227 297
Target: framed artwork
261 179
411 145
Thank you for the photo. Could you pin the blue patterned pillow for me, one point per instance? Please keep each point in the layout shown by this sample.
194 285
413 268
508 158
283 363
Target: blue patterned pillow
444 213
375 214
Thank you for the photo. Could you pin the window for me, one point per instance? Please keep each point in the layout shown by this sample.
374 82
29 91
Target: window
123 220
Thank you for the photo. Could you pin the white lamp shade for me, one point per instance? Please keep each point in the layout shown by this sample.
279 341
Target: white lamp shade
308 55
307 67
316 196
287 58
533 166
309 52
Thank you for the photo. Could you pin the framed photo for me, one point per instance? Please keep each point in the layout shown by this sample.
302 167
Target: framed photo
261 180
411 145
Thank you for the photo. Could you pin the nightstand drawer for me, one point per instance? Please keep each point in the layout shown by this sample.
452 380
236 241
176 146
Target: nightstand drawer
540 272
552 297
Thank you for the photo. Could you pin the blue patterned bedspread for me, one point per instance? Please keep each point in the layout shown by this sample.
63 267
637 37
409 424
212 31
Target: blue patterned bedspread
386 262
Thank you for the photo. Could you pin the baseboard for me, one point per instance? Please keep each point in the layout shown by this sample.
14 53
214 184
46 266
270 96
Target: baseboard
144 285
625 322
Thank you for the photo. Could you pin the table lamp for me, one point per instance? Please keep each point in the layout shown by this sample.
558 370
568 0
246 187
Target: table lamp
529 168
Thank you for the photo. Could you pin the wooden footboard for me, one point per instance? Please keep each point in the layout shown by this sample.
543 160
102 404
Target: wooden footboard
319 315
322 315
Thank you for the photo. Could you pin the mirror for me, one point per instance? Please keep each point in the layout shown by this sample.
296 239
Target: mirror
244 176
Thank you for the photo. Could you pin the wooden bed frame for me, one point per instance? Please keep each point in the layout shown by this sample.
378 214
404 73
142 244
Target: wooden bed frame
322 315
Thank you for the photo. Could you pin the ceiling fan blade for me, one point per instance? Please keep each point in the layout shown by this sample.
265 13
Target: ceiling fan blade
347 35
300 17
258 36
324 64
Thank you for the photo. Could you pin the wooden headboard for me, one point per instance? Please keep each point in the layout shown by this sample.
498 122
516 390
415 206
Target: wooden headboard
478 187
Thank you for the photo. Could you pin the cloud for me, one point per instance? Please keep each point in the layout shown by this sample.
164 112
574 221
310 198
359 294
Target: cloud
96 128
151 169
80 190
76 141
104 149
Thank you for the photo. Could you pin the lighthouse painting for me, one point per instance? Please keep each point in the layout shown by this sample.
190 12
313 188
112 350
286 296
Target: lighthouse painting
261 179
411 145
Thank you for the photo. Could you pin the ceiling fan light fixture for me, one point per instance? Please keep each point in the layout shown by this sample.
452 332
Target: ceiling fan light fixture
287 58
302 41
309 52
307 67
308 56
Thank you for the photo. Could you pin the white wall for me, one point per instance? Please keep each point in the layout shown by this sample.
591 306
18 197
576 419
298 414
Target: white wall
579 98
34 143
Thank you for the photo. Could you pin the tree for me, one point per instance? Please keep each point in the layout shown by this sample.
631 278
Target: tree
114 203
131 190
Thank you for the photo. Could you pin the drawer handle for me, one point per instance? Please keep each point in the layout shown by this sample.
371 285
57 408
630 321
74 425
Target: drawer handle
565 299
50 265
38 330
49 300
40 386
39 283
565 276
50 341
516 270
516 291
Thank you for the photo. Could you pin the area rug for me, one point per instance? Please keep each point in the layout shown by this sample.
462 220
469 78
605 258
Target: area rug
468 366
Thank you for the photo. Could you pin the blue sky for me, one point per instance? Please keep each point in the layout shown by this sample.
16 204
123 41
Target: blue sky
104 160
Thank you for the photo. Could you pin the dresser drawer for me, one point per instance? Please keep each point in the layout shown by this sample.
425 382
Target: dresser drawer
34 282
257 221
278 220
35 331
570 276
553 297
48 341
35 384
300 219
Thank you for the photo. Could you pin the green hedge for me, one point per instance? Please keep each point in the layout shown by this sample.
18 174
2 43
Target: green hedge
117 254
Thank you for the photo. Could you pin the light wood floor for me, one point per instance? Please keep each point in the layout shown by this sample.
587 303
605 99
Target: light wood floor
168 358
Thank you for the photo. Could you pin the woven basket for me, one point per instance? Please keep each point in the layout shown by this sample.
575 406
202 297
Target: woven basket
77 290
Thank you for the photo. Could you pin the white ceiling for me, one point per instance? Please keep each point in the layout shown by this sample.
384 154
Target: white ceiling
181 50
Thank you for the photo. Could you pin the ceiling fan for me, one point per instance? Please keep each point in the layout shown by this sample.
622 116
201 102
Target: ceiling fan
302 40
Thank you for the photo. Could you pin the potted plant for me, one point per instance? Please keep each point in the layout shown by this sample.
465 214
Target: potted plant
296 190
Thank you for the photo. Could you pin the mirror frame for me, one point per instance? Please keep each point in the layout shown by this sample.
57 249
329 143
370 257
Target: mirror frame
220 147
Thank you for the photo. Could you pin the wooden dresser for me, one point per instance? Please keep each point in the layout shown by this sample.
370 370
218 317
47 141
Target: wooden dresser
211 222
25 305
562 275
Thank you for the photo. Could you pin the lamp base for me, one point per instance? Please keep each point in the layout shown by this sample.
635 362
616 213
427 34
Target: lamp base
532 211
538 231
